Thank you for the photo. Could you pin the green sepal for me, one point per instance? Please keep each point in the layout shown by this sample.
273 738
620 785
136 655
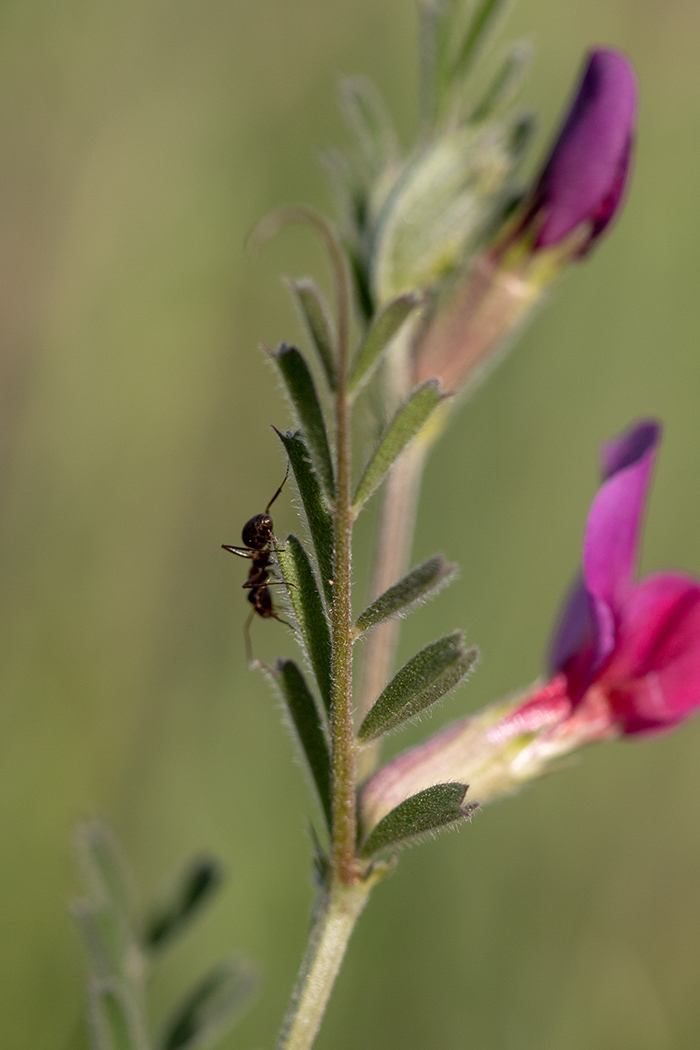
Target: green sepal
302 393
308 609
379 336
196 884
317 514
416 587
428 811
316 315
213 1006
113 1016
435 215
406 424
308 729
427 677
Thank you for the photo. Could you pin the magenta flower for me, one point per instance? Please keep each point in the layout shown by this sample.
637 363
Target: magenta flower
638 643
584 179
625 659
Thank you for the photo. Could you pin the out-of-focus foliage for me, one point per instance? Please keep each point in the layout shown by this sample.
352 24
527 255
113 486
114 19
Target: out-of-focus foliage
141 141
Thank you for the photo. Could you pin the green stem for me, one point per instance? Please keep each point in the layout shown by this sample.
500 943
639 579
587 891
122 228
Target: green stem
391 559
345 895
339 909
343 861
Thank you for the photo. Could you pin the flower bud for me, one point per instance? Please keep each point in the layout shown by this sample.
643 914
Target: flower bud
574 199
583 181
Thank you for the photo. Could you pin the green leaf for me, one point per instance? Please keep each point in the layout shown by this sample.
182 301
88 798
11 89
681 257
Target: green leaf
429 810
103 867
105 918
379 336
506 82
315 313
308 608
114 1019
416 587
197 882
406 424
212 1007
106 936
317 515
427 677
307 724
481 25
369 120
302 393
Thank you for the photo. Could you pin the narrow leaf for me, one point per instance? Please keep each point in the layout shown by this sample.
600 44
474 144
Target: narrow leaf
105 937
315 313
308 608
103 867
195 885
379 336
369 120
317 515
429 810
302 393
115 1023
427 677
307 724
417 586
213 1006
408 421
481 25
506 82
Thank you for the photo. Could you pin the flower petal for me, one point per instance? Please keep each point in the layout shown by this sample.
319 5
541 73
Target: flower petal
653 677
627 448
614 520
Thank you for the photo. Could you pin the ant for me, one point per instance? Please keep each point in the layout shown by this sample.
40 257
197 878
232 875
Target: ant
258 539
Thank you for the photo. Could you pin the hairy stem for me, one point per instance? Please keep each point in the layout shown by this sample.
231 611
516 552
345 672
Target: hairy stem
338 911
342 727
392 555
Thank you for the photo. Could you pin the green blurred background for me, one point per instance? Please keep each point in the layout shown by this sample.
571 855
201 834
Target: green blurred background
141 141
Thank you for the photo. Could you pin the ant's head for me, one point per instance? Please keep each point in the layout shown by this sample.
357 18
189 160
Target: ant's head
257 532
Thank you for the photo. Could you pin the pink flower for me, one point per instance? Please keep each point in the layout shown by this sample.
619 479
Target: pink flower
625 659
638 643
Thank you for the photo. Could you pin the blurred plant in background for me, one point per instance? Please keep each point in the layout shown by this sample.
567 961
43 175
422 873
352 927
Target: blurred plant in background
439 256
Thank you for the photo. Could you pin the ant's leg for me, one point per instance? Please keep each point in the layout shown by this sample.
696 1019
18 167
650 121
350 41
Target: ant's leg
242 552
280 620
278 490
246 638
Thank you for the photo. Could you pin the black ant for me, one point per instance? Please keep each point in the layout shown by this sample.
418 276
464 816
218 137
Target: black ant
258 539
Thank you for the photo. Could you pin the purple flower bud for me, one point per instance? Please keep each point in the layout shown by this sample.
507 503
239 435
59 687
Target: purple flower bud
584 179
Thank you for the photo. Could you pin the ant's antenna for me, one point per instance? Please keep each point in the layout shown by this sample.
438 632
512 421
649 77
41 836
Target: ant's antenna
278 490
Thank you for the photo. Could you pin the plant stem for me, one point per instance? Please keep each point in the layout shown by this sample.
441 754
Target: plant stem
343 863
338 911
393 552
